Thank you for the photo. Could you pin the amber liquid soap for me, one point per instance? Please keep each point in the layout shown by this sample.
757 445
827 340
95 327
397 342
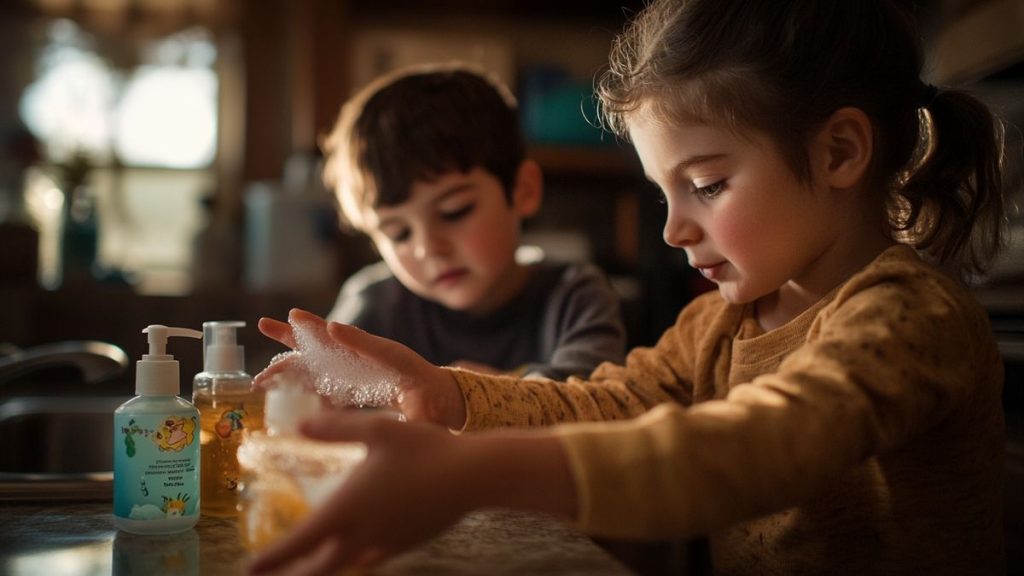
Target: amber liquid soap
228 405
223 416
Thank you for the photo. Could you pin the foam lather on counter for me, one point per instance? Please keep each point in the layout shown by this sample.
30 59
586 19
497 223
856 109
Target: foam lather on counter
339 374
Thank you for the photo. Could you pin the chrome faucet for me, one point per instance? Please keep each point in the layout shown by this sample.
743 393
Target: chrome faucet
97 361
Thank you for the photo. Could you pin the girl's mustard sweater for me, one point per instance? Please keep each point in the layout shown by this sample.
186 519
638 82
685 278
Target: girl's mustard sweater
864 437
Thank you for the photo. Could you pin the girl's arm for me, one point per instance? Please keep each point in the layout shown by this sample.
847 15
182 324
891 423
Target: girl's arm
424 476
669 372
650 376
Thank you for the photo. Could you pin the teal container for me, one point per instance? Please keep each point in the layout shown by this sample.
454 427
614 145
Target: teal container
156 446
156 465
559 110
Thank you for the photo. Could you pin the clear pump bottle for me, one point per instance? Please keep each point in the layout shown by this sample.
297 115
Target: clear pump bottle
156 453
228 404
284 474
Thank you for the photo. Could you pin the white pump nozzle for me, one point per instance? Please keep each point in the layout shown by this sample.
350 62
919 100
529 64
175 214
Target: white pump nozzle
157 372
221 352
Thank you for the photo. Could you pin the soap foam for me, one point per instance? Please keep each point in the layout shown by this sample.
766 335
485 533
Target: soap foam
339 375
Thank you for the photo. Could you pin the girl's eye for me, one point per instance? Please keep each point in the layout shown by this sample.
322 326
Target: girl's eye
458 213
711 190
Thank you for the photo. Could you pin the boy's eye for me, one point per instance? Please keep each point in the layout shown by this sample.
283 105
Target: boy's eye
458 213
711 190
397 235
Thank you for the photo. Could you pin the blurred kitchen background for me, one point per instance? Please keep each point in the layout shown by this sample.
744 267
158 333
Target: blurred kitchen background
159 158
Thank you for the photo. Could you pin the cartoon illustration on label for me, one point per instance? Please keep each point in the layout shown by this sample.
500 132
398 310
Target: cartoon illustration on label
171 508
129 437
157 466
176 433
174 507
231 421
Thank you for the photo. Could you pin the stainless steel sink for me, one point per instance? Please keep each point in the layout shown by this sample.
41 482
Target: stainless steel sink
57 406
94 361
57 447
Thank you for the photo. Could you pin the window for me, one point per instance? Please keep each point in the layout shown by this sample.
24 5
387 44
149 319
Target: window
131 148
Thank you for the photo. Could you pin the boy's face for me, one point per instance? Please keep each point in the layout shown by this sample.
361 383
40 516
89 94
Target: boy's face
454 240
744 219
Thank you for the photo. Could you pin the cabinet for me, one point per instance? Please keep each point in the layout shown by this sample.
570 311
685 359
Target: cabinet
976 39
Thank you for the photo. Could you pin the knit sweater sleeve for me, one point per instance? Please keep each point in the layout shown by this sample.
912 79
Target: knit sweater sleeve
895 353
649 376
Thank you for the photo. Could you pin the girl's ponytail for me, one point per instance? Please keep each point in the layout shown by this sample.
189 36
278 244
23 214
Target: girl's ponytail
950 205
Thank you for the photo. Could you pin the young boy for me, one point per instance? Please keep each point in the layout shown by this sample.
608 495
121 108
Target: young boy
429 162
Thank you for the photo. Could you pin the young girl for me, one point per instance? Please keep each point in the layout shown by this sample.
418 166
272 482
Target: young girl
833 408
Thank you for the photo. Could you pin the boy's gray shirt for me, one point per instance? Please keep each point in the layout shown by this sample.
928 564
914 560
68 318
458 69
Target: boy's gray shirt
565 322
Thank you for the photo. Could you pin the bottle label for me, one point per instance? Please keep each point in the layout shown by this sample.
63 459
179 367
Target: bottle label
223 418
221 433
156 466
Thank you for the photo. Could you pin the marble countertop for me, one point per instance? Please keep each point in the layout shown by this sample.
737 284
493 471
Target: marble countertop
79 538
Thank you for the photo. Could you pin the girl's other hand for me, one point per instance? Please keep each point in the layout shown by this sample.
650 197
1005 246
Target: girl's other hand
406 491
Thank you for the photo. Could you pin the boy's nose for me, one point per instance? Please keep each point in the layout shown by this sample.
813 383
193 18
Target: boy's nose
429 244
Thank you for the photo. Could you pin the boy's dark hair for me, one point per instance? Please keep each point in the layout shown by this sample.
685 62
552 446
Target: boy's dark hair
416 124
783 68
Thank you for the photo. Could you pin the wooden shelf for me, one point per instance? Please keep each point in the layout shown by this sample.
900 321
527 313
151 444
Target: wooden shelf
586 161
984 40
575 10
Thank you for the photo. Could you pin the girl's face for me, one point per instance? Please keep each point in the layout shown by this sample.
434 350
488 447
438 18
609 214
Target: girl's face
453 241
741 215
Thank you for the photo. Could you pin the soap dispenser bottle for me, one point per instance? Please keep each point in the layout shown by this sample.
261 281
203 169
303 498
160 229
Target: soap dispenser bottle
228 404
156 447
284 474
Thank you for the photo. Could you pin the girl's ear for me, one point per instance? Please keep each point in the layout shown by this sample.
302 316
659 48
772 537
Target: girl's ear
845 146
529 189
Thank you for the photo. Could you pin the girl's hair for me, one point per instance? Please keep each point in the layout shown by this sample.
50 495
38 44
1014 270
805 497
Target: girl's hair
418 123
783 68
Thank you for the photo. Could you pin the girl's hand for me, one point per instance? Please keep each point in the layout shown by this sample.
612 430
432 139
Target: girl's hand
285 362
416 481
426 392
406 491
477 367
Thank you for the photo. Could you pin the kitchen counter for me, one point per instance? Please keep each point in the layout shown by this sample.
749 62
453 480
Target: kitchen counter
79 538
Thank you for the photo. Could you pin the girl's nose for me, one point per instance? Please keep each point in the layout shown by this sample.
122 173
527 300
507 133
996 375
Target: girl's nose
680 231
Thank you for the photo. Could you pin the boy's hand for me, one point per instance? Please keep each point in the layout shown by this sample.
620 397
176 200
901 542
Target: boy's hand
426 392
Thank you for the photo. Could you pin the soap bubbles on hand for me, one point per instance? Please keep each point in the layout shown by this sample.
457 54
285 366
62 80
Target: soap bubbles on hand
337 373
